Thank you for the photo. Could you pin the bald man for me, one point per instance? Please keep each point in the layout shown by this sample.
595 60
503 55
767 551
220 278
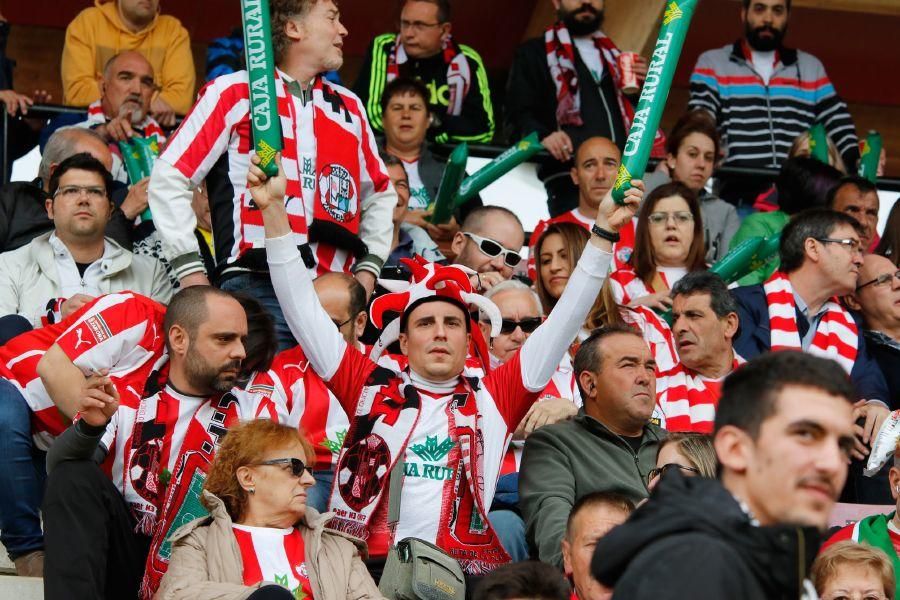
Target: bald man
594 173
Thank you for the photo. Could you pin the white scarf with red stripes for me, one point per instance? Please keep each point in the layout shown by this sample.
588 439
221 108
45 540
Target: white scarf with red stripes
687 400
837 336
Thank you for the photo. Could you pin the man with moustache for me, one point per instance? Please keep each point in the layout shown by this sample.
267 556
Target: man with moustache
566 86
763 95
783 436
858 197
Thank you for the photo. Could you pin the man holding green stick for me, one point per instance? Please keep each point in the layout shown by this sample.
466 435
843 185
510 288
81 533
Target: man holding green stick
339 197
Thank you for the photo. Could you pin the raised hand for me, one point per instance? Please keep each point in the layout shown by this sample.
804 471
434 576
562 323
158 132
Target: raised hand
267 192
613 216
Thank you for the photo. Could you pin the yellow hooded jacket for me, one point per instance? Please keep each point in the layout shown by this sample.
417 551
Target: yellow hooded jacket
97 34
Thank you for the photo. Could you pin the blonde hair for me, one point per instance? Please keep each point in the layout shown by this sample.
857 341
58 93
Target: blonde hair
852 553
697 448
834 157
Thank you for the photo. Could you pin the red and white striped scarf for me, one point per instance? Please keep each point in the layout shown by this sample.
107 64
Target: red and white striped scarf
561 61
147 127
459 75
837 336
687 401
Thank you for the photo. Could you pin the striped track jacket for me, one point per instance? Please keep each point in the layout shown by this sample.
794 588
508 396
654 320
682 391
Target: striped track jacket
759 122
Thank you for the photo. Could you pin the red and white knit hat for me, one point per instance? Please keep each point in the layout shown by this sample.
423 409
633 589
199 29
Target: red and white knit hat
431 282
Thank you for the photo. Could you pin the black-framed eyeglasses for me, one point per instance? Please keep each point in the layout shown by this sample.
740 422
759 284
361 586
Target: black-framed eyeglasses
295 465
658 471
528 325
494 249
339 324
880 280
851 244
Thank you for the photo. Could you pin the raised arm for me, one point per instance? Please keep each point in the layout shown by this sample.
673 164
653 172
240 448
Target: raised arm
541 353
309 323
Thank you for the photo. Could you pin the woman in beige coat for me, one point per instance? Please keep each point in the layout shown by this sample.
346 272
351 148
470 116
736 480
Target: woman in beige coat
261 541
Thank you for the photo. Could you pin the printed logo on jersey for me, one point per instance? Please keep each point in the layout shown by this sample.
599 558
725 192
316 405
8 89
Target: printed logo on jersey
362 470
431 452
335 445
284 581
98 328
337 192
623 254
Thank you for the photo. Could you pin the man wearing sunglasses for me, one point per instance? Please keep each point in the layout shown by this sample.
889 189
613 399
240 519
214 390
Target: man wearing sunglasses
520 309
797 308
877 298
489 242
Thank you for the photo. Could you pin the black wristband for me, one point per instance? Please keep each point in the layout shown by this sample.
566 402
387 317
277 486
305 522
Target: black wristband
610 236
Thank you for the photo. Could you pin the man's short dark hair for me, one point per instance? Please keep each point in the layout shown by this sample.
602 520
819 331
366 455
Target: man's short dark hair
188 309
390 160
803 183
589 358
443 6
706 282
403 86
475 219
861 183
749 393
528 579
261 344
817 223
747 4
82 162
595 500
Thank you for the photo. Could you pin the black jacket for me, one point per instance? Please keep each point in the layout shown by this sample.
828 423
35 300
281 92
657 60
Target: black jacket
531 99
693 540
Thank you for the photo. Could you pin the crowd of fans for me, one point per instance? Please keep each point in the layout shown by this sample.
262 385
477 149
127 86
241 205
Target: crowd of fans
318 370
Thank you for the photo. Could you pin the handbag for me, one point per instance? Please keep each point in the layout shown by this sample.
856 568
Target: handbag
416 569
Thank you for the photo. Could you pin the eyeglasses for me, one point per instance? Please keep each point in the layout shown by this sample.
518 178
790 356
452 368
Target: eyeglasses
654 473
74 191
682 217
851 244
417 26
528 325
880 280
853 595
338 324
295 465
494 249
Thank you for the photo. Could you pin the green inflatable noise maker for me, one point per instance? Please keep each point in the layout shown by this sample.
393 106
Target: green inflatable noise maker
264 117
675 24
871 156
139 154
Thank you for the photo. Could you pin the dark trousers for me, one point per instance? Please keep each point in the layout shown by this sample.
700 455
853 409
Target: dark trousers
91 548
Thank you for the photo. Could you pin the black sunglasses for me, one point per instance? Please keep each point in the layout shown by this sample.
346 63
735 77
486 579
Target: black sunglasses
295 465
654 473
528 325
494 248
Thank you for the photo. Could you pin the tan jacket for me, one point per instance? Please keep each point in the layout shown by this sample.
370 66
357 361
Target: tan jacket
206 561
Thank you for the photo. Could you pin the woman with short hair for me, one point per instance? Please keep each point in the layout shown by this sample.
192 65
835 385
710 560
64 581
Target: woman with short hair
261 541
852 570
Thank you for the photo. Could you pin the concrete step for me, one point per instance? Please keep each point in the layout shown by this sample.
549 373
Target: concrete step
21 588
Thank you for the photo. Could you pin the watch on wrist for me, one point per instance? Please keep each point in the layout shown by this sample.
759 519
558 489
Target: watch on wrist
610 236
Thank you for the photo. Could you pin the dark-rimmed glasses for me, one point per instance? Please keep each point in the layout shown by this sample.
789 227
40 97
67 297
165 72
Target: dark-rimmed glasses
294 465
528 325
658 471
880 280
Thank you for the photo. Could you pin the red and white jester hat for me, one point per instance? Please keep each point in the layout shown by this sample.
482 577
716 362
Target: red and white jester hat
431 282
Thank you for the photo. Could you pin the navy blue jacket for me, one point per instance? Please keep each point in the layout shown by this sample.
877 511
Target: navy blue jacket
754 338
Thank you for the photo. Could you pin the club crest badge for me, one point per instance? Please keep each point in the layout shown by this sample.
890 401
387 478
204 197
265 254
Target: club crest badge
338 193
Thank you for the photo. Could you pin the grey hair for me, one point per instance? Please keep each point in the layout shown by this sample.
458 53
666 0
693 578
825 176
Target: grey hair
61 146
511 284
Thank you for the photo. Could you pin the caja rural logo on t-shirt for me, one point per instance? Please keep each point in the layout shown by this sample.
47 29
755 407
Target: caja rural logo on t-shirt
337 192
432 452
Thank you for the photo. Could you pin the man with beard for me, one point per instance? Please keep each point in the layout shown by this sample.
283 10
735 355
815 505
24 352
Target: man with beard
763 95
566 86
156 449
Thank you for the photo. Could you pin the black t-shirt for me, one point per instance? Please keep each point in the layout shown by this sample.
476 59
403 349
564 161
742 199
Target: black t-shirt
82 267
634 442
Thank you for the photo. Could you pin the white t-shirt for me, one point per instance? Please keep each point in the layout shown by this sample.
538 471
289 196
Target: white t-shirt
419 198
764 63
671 275
590 56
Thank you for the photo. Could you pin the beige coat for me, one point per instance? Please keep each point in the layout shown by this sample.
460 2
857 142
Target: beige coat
206 561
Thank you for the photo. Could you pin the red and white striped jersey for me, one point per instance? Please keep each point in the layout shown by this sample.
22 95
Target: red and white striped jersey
214 142
274 555
148 127
122 333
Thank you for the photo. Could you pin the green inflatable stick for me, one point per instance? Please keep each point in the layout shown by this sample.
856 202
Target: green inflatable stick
444 202
261 73
871 156
131 156
500 166
148 148
818 143
675 23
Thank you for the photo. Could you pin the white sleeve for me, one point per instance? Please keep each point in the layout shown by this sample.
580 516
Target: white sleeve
170 204
542 351
376 228
312 327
